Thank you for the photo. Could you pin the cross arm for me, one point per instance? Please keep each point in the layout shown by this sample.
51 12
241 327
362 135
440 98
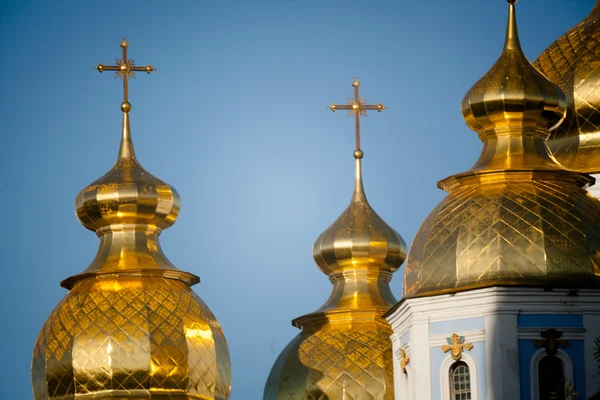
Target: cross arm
334 107
379 107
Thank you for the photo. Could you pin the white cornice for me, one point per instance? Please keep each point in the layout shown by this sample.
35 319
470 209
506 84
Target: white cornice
493 300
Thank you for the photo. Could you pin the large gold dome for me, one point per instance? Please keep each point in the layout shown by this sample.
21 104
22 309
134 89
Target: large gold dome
131 338
335 360
573 62
130 326
516 217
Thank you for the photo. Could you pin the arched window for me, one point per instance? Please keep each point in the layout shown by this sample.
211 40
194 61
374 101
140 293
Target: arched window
549 373
460 381
551 378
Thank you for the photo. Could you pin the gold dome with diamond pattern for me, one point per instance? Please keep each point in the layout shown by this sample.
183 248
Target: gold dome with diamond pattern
573 63
517 217
344 350
130 326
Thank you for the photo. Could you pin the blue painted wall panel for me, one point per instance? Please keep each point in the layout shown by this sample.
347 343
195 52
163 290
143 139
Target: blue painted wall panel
549 320
574 351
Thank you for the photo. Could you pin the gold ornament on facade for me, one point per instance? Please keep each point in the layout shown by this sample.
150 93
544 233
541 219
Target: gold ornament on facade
130 326
573 63
456 345
344 350
517 217
404 360
551 341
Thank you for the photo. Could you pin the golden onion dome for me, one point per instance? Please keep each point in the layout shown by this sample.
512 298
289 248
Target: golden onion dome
359 238
344 349
573 62
130 326
517 217
127 194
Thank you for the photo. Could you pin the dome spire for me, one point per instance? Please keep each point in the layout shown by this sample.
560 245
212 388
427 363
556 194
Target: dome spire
359 240
125 69
128 207
134 326
512 108
512 34
359 252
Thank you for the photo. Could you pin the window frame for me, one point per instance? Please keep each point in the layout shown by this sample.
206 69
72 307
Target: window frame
445 370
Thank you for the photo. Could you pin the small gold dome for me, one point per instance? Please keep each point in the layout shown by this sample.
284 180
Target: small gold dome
359 238
573 63
127 194
517 217
513 94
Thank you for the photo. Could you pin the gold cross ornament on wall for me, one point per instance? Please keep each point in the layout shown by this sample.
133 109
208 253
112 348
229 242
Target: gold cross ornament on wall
456 345
404 360
358 108
551 342
125 69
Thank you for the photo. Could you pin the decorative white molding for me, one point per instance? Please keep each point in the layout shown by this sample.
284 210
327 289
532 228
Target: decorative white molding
534 367
445 376
470 336
568 333
493 300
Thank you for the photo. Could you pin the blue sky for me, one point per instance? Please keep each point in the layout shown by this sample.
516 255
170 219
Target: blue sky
235 119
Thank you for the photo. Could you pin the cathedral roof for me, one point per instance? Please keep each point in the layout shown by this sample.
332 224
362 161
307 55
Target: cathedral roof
517 217
130 324
344 350
573 63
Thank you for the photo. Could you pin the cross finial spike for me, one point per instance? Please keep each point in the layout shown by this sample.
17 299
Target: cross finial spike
357 107
125 69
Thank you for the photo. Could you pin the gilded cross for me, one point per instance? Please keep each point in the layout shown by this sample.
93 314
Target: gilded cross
125 69
404 360
552 340
358 108
456 345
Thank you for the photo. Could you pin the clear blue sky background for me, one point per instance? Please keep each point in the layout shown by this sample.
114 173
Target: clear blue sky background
235 118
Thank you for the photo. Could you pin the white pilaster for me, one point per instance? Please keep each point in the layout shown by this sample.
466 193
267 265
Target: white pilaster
398 387
420 361
502 356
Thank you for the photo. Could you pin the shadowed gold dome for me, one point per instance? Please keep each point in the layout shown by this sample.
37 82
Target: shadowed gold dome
344 350
516 217
130 326
573 62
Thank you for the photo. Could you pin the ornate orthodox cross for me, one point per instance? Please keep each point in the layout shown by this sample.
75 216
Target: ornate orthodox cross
456 345
552 341
125 69
404 360
358 108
